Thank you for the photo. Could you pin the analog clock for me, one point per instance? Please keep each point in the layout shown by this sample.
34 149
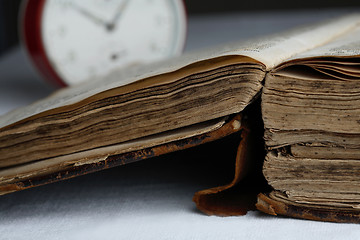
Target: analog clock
70 41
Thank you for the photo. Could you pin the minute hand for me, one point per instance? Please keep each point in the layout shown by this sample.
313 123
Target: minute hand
111 25
89 15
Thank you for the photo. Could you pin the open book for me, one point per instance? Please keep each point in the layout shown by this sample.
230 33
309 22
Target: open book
305 82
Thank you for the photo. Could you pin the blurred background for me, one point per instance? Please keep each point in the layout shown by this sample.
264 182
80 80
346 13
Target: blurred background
9 11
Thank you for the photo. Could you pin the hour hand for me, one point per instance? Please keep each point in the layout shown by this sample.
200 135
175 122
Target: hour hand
89 15
119 12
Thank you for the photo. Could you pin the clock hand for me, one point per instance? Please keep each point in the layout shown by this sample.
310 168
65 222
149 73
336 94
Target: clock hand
110 26
89 15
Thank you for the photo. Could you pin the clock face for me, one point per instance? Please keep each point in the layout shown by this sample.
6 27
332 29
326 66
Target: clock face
82 39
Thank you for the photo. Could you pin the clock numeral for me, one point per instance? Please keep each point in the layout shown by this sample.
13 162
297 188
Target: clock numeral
114 57
118 55
161 20
61 31
71 56
104 3
155 48
91 71
64 4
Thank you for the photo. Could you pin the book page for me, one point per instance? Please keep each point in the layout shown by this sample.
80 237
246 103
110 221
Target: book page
275 50
271 51
122 77
345 46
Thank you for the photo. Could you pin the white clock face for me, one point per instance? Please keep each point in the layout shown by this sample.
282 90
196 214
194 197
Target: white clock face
87 38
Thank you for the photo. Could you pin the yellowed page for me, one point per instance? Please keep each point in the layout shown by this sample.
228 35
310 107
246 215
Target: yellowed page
122 77
271 51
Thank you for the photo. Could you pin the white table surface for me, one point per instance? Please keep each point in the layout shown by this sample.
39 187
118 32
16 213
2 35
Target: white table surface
149 199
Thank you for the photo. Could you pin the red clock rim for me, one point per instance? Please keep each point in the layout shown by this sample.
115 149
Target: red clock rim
32 38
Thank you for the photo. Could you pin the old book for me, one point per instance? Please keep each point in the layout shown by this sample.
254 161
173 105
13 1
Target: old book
307 81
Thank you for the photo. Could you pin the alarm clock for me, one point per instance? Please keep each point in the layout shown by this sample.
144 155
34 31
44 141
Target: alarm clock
70 41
